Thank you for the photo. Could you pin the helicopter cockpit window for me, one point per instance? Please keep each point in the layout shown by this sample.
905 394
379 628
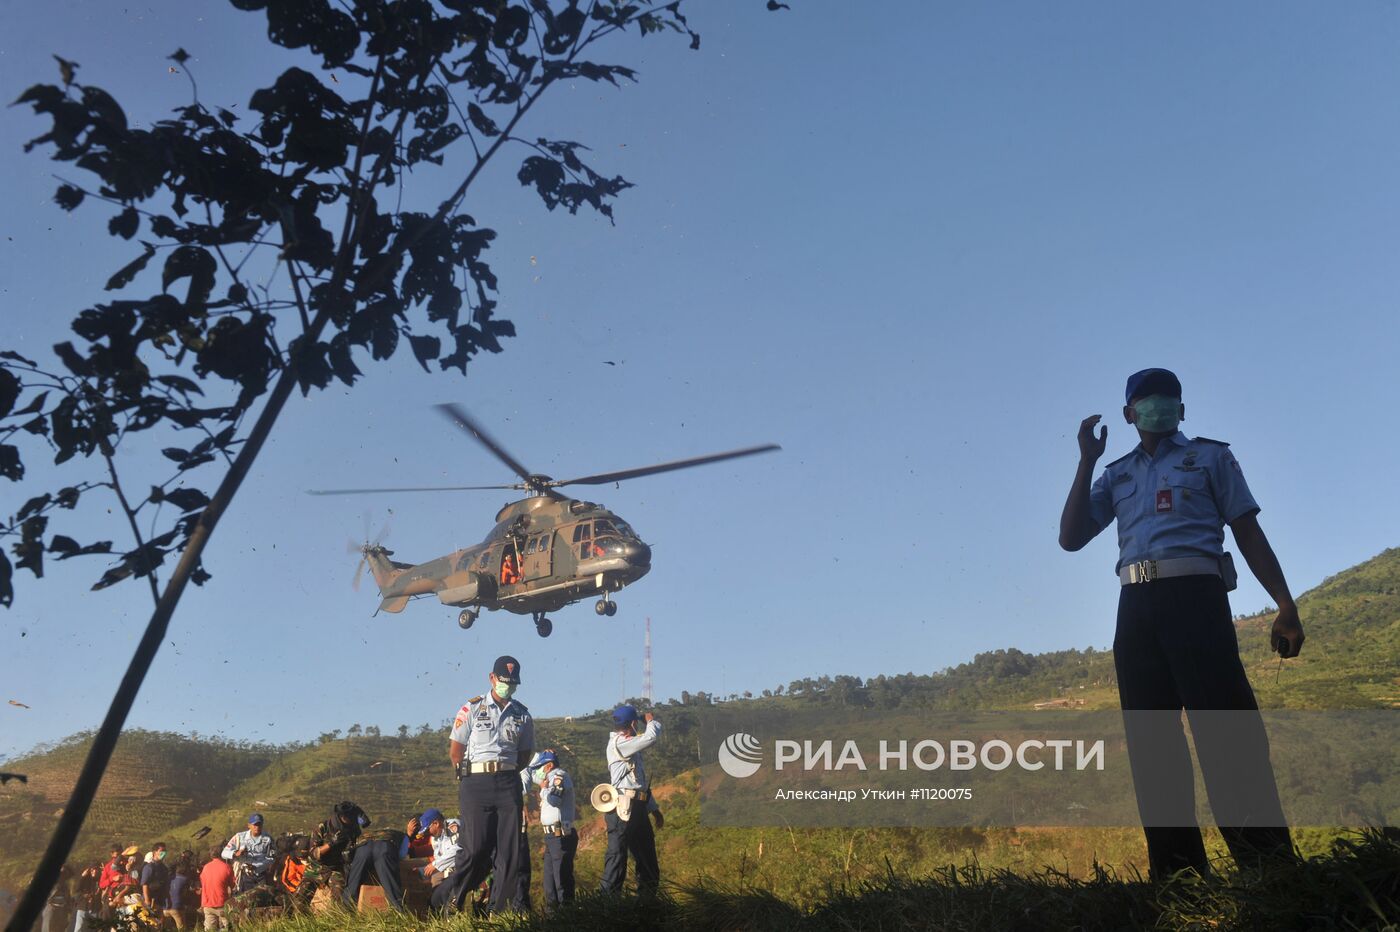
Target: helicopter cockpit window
530 547
544 542
603 526
624 528
582 532
603 546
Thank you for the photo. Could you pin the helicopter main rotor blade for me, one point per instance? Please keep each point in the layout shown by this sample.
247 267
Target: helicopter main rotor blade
620 475
426 488
459 417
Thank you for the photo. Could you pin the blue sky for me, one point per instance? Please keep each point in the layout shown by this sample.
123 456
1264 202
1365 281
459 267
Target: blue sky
915 247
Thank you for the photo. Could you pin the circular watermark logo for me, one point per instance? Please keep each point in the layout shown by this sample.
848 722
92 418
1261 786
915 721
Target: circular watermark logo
740 755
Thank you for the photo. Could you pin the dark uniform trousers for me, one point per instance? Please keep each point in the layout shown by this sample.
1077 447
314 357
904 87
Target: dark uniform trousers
489 838
521 901
634 837
559 851
1174 649
384 858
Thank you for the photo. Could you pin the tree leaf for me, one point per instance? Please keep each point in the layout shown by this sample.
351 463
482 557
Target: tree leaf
10 466
16 357
425 349
124 224
33 506
30 549
187 499
129 271
68 197
483 123
9 391
196 264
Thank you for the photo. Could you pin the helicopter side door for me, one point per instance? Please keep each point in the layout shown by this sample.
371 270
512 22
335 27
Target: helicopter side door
535 557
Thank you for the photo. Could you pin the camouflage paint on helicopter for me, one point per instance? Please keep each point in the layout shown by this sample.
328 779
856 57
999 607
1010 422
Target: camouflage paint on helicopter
546 551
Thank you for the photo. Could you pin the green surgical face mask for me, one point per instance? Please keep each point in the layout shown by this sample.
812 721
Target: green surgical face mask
505 690
1157 414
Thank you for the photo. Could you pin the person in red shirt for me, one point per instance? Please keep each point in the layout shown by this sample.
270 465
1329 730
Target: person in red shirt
214 882
111 871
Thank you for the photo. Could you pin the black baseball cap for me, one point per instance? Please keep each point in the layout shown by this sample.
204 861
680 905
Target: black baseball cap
507 669
1152 382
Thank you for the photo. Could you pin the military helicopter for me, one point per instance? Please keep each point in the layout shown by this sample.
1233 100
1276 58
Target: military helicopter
545 552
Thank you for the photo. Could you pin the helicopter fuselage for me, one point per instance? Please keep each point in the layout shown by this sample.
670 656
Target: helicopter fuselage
543 553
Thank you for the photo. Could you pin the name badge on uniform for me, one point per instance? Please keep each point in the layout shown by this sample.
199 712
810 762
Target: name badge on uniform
1164 500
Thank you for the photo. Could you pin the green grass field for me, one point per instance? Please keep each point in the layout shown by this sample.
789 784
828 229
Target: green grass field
1355 884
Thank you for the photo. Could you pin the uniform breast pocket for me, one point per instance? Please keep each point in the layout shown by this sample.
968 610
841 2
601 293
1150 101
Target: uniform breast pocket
1122 494
1191 493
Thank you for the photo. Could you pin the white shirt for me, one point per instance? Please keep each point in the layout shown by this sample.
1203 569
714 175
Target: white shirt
625 757
257 850
445 845
494 733
557 799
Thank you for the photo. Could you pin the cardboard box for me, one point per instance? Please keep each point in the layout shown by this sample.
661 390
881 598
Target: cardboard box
416 891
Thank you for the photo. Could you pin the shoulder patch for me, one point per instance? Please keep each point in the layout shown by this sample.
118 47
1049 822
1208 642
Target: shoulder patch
1221 443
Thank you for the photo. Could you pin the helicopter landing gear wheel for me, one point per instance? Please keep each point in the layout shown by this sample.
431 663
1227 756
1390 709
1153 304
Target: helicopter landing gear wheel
601 606
466 619
612 609
543 626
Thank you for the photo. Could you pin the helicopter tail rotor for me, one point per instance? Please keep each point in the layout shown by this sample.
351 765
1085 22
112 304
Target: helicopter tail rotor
370 544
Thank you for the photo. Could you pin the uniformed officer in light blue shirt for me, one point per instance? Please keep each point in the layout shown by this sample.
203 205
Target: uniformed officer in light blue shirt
1175 644
558 811
443 834
492 739
251 852
629 830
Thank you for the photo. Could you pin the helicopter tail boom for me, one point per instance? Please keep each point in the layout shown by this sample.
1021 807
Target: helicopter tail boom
385 570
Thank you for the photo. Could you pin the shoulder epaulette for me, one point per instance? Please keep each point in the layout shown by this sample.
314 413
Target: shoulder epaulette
1208 440
475 699
1120 459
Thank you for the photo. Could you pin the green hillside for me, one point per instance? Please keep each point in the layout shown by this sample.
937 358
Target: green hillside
165 787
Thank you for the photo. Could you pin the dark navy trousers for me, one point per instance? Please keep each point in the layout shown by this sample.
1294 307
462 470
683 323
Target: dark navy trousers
384 858
521 900
490 837
1174 649
559 851
634 837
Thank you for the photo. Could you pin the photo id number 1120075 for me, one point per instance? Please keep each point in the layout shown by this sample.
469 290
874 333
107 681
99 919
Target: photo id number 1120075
940 793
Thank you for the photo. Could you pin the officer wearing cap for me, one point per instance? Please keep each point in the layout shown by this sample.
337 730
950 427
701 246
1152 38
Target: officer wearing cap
629 830
557 814
1175 646
442 834
251 852
492 739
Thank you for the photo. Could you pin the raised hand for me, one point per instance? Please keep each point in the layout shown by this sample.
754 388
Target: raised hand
1091 446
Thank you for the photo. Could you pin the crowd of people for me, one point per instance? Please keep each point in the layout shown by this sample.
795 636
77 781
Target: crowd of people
148 889
480 862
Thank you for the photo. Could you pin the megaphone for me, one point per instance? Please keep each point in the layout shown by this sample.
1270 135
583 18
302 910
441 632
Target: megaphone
604 797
